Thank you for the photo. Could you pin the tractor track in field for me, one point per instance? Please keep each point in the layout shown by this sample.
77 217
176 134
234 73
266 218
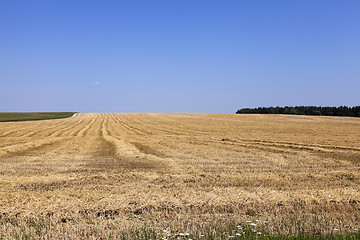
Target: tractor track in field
126 131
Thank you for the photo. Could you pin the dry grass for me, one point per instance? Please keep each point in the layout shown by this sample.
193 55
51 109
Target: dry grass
101 175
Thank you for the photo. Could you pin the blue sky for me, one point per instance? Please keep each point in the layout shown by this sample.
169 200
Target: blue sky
177 55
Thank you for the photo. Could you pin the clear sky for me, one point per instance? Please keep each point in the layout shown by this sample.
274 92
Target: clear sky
177 55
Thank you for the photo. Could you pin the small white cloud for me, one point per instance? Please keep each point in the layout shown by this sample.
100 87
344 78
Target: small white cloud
96 83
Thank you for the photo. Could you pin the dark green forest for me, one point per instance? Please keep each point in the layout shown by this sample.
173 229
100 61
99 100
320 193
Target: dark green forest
32 116
305 110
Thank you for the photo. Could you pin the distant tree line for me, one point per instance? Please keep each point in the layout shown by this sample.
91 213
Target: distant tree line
305 110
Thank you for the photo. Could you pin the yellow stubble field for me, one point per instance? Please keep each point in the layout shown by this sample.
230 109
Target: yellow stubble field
118 175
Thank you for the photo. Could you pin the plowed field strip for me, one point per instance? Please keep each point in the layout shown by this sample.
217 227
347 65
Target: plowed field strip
129 126
94 129
82 131
288 148
43 130
168 126
20 130
299 145
34 129
22 148
63 131
31 128
131 122
79 127
4 142
122 147
173 125
126 128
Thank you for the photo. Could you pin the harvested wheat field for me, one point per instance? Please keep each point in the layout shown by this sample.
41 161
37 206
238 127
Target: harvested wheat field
157 175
